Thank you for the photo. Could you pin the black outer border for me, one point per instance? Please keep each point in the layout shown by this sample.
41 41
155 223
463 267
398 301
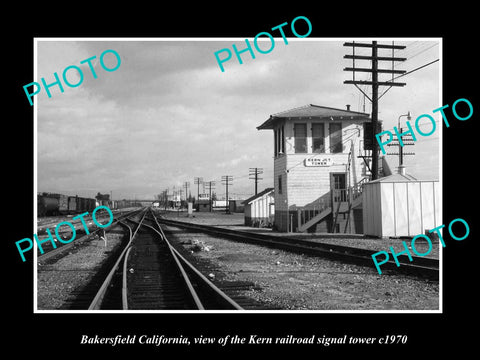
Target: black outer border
61 333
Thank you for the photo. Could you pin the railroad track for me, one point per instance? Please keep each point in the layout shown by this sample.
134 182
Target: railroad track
61 249
150 274
420 267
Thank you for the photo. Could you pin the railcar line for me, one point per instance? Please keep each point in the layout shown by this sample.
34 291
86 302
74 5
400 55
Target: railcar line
150 274
422 267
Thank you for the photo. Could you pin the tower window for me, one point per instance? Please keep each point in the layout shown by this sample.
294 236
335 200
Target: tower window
318 138
335 130
300 133
279 141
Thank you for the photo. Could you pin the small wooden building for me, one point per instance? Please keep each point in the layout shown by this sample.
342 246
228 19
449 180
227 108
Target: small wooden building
203 205
259 209
400 205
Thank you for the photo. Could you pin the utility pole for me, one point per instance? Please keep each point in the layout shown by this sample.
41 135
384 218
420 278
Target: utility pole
375 83
255 172
198 181
166 199
175 196
227 180
210 185
186 184
395 142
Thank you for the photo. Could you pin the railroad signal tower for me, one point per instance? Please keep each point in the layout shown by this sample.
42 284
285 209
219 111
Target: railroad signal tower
374 82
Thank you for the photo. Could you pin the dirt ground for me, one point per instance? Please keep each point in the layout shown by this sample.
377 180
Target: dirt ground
236 221
56 280
282 280
298 282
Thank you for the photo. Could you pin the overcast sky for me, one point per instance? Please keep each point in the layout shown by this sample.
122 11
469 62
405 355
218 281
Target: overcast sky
168 114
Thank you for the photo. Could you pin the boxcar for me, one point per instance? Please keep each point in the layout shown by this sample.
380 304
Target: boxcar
81 204
72 204
91 205
46 205
63 204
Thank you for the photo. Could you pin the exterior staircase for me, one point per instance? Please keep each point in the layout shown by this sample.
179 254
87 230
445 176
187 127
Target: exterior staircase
354 197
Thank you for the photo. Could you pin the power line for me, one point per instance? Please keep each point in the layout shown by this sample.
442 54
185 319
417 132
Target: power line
416 48
409 72
413 50
375 83
422 51
418 68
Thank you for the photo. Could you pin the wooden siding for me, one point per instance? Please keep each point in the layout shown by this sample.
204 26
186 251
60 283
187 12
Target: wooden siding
279 167
401 208
309 187
259 209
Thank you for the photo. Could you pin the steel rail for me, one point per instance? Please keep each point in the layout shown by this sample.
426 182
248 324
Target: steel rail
80 240
191 289
124 278
219 292
425 266
98 299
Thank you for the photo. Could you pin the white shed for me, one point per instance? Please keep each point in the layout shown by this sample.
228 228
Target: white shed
400 205
259 209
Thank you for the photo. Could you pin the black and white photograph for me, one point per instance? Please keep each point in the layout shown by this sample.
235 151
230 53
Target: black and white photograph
268 203
230 181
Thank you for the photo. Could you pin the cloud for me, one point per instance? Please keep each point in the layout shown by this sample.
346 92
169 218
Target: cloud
168 113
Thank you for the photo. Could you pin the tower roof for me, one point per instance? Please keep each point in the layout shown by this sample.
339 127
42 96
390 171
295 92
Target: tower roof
311 111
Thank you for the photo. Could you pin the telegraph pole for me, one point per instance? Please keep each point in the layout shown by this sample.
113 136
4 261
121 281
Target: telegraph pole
375 83
227 180
374 108
198 181
255 172
166 199
187 185
211 185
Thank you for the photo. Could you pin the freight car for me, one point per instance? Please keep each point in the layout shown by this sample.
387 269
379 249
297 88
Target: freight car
46 205
72 204
62 204
49 204
82 204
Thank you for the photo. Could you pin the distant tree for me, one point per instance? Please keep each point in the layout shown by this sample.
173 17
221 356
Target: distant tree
102 196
